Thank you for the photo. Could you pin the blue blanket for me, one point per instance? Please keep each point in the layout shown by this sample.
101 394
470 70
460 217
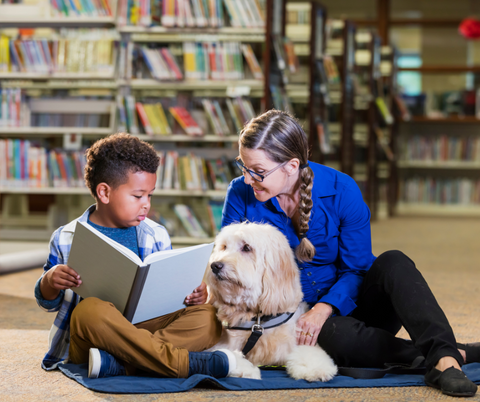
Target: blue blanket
271 379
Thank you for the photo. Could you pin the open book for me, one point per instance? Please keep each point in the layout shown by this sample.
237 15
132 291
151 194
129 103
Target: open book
140 290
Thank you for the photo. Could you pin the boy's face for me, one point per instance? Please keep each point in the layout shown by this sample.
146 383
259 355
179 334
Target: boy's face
129 203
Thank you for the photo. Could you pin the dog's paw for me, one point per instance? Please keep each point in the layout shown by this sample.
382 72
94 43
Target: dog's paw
310 363
244 368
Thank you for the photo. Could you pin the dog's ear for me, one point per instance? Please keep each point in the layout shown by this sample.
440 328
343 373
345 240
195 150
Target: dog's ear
281 281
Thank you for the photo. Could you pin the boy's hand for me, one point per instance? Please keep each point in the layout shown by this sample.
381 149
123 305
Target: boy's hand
199 295
58 278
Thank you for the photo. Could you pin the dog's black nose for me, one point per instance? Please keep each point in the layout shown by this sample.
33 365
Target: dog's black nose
216 267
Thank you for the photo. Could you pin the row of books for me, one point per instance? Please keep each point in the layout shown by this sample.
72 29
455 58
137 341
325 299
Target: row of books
212 60
158 116
68 120
442 148
246 13
84 8
136 13
161 63
463 191
192 13
201 61
197 220
13 110
26 164
192 172
50 56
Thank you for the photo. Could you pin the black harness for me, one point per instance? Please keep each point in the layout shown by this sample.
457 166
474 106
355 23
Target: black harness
259 324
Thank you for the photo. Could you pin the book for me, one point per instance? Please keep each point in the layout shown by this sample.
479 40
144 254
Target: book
186 121
384 111
140 290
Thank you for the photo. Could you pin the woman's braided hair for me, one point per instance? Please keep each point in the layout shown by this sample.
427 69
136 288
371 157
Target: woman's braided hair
282 138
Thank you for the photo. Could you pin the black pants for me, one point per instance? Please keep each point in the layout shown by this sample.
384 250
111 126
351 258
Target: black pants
393 293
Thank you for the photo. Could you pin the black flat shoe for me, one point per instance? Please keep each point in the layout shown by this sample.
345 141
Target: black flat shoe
452 382
472 351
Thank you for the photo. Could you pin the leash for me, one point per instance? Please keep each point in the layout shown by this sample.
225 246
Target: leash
255 325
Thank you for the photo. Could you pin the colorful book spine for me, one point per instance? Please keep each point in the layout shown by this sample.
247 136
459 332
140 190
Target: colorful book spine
186 121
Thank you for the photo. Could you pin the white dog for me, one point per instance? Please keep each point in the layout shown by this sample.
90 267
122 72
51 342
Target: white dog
253 274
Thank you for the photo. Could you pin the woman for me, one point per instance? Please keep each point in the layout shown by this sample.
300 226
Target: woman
358 302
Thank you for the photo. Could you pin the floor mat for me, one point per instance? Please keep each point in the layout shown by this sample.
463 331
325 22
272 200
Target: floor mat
271 380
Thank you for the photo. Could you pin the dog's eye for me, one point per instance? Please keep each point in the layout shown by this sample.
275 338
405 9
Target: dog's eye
246 248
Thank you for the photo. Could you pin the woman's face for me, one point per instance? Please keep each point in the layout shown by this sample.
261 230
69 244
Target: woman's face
278 182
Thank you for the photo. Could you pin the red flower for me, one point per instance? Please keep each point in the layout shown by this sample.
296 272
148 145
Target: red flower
470 28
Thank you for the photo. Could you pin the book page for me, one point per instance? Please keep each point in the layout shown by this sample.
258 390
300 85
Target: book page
172 276
107 272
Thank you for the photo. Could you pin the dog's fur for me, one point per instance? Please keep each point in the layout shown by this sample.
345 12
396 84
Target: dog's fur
259 274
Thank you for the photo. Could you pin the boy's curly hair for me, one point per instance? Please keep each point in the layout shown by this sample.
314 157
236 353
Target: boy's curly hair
111 159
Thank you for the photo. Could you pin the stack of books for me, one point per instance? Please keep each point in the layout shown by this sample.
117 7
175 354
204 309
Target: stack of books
192 13
153 119
71 51
246 13
26 164
135 13
463 191
84 8
212 60
192 172
158 116
443 148
14 110
161 63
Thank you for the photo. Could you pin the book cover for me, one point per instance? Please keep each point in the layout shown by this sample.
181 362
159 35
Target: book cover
186 121
141 290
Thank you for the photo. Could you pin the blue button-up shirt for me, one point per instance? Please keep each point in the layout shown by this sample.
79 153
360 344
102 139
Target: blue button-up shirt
339 228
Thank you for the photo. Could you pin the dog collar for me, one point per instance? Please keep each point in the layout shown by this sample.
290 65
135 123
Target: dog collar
257 328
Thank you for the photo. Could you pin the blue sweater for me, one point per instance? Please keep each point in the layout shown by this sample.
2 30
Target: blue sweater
339 228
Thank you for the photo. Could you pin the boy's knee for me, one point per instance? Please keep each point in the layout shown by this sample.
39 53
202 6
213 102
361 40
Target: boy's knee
211 326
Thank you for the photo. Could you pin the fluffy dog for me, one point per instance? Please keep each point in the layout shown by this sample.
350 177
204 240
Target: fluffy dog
253 272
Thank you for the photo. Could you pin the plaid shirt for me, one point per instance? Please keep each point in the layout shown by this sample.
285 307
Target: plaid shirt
151 236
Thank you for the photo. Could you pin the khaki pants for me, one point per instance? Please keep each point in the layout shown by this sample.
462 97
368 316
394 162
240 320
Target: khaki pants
160 345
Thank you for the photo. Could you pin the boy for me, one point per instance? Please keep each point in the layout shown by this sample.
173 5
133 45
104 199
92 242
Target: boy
121 175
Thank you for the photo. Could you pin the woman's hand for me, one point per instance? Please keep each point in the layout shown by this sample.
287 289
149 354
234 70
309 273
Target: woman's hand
58 278
199 295
310 324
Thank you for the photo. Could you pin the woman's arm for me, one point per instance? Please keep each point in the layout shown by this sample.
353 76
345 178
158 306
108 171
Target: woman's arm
355 250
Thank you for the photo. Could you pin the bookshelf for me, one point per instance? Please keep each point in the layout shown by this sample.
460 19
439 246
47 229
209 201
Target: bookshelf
17 220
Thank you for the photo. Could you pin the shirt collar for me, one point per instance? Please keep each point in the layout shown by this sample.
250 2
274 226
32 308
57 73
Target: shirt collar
143 227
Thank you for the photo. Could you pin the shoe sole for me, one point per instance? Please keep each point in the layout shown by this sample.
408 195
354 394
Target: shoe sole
465 394
94 363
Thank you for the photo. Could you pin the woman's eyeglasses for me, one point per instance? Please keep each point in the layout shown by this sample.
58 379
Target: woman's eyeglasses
256 176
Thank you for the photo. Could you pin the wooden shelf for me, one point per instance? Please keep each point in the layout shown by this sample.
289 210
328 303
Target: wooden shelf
192 85
59 84
45 131
427 22
60 22
442 69
424 209
439 165
188 138
451 119
56 76
85 191
162 34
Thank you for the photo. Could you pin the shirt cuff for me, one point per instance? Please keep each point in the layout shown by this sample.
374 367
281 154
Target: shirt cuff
47 304
343 304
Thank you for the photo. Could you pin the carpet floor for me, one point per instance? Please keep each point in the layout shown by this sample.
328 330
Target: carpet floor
445 250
